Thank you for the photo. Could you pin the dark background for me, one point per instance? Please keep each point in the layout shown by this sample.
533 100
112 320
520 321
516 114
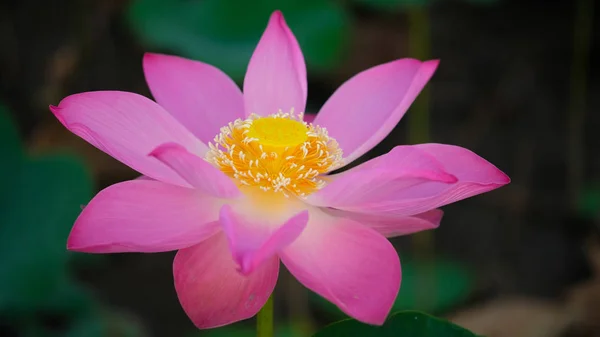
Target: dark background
518 83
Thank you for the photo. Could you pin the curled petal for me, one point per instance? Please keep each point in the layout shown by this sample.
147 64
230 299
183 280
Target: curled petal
347 263
276 75
196 171
366 108
198 95
144 216
127 126
410 180
211 290
391 226
253 242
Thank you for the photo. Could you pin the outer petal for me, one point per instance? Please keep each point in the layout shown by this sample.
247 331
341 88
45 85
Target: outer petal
144 216
196 171
347 263
367 107
199 95
252 243
276 75
212 292
392 226
127 126
410 180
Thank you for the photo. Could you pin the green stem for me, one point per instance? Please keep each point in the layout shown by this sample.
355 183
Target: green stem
419 46
264 319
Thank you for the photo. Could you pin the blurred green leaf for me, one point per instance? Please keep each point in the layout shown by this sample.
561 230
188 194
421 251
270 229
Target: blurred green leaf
431 286
9 138
589 202
245 330
105 323
224 33
39 205
402 324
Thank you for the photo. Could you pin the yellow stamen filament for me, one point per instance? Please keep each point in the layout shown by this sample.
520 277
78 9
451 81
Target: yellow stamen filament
278 153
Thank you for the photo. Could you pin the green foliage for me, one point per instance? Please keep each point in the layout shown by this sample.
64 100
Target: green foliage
431 286
224 33
245 330
39 201
402 324
589 202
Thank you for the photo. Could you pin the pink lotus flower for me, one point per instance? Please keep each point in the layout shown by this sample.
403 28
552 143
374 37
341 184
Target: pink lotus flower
259 192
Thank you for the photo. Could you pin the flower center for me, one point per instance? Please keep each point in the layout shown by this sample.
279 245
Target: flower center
278 132
279 153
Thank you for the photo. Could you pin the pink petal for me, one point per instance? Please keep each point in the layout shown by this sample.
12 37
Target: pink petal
366 108
276 75
196 171
347 263
410 180
127 126
392 226
252 242
144 216
381 180
198 95
212 292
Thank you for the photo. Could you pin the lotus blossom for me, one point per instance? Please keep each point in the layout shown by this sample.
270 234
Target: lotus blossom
239 182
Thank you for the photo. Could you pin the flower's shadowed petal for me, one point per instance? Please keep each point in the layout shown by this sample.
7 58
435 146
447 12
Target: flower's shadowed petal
410 180
366 108
196 171
276 75
347 263
144 216
251 242
391 226
127 126
198 95
211 290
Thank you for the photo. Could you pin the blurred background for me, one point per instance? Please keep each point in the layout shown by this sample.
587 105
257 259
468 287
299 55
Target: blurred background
518 83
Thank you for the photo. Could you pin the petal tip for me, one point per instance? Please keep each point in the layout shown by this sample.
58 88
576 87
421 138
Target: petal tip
503 178
277 15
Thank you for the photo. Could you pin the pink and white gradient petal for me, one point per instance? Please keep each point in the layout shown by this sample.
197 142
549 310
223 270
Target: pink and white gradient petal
211 290
385 192
127 126
381 180
252 242
196 171
348 264
144 216
276 75
365 109
200 96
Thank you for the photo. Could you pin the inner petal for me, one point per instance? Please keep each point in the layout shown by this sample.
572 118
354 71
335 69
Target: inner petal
279 153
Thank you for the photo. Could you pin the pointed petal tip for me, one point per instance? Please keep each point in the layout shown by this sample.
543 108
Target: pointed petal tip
277 14
503 178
